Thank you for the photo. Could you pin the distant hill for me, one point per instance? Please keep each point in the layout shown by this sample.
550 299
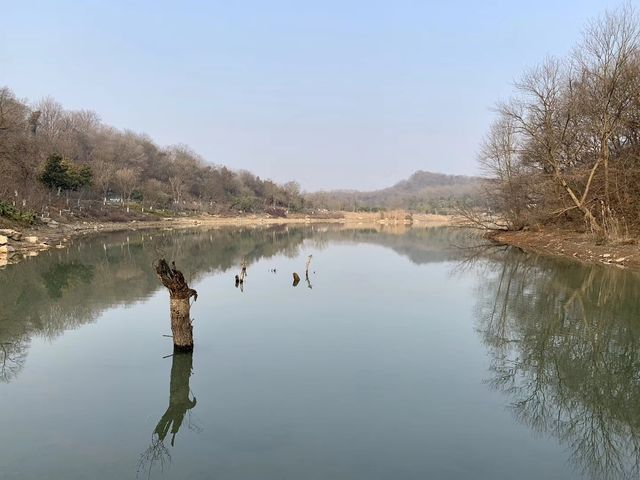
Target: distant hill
423 191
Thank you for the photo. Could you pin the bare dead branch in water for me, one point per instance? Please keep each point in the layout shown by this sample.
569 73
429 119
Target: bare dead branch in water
478 219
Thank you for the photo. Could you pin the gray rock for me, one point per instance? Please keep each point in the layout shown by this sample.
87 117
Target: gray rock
12 234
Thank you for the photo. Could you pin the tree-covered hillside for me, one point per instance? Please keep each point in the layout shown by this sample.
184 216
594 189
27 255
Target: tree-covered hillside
48 153
422 192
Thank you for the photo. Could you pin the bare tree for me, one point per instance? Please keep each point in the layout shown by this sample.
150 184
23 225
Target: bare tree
117 160
127 180
566 142
507 189
603 62
104 177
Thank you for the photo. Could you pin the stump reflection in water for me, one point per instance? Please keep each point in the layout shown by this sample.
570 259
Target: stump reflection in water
179 404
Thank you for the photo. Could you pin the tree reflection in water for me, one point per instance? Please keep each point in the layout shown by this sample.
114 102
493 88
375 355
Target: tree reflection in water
12 358
564 344
180 404
61 290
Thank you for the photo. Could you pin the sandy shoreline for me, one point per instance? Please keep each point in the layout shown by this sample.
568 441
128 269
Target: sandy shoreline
579 247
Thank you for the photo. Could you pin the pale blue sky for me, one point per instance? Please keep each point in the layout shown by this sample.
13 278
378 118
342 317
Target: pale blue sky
334 94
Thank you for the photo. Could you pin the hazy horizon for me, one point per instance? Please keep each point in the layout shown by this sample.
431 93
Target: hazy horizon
334 96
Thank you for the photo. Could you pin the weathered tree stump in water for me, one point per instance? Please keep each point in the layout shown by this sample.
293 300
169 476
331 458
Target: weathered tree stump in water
243 269
179 296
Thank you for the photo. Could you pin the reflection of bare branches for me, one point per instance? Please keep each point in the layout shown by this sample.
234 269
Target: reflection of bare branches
471 255
565 348
193 422
156 454
12 358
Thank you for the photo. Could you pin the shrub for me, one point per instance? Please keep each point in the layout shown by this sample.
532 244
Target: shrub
12 213
278 212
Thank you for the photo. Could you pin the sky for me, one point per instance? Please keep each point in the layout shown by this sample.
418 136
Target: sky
332 94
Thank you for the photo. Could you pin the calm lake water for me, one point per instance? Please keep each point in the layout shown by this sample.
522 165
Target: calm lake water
404 356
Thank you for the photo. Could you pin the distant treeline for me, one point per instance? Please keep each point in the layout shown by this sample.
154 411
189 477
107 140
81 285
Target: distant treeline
47 153
424 192
565 149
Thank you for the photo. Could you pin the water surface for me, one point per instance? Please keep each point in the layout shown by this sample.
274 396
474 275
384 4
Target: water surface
404 355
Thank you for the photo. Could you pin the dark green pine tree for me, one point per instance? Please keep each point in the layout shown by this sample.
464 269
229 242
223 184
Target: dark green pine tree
58 174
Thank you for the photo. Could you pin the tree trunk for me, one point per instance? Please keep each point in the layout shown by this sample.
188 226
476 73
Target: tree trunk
593 223
180 295
181 327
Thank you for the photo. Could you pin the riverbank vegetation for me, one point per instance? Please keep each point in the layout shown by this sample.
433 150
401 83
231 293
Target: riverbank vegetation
61 161
565 149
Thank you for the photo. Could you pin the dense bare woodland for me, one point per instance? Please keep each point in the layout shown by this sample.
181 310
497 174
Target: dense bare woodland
566 148
52 158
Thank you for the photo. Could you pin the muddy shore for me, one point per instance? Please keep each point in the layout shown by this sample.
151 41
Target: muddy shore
580 247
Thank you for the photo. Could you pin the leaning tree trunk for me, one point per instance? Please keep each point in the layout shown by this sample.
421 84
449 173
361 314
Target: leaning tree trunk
180 294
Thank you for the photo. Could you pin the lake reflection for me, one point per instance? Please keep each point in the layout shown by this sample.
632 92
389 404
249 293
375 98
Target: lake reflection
181 401
404 353
564 343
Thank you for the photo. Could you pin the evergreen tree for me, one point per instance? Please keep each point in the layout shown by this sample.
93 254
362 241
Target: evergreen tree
61 175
